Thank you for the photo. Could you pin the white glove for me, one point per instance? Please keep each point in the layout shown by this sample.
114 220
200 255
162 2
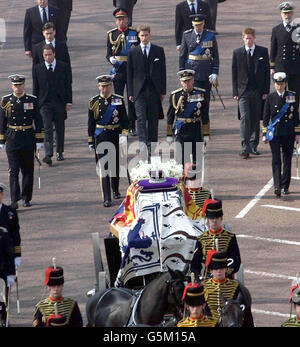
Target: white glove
10 279
206 139
113 60
169 139
122 140
38 146
213 78
3 147
92 148
17 262
178 47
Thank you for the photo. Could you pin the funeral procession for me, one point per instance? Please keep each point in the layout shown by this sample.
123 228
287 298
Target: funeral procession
149 165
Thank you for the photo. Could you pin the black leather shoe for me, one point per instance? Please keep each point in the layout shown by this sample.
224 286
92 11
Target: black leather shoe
116 195
255 152
107 203
286 191
26 204
59 157
277 192
244 154
132 132
14 205
47 160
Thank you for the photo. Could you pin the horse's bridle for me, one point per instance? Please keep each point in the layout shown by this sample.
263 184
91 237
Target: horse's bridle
221 312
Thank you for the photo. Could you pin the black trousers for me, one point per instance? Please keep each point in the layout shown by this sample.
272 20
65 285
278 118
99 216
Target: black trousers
64 20
282 174
119 87
53 112
111 179
21 160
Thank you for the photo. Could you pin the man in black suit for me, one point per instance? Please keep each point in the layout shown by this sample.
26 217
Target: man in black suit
64 14
146 78
281 104
183 21
61 49
285 47
251 85
35 18
126 5
52 86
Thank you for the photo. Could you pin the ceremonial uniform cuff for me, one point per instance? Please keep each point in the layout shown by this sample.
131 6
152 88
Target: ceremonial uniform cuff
272 65
297 130
39 137
169 130
90 140
206 129
17 251
125 132
264 131
2 139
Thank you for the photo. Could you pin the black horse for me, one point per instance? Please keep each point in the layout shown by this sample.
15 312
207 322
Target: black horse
113 307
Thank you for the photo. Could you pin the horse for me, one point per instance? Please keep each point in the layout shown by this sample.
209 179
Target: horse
113 307
234 313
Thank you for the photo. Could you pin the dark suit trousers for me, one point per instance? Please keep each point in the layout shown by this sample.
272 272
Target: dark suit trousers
64 20
21 160
53 112
119 87
147 107
250 110
111 180
287 144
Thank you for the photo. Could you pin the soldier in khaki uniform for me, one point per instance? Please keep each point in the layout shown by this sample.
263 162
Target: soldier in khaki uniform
294 299
56 311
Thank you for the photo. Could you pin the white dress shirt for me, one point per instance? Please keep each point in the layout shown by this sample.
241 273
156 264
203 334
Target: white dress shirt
53 65
195 5
41 13
147 48
252 49
52 43
281 95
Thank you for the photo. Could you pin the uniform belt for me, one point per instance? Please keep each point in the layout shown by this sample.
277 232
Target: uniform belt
189 120
199 57
121 58
20 127
108 126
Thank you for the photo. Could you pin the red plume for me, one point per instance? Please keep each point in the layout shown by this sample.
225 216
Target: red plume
291 292
189 285
207 202
209 255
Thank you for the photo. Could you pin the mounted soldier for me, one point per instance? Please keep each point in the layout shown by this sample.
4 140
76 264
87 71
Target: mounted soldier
294 301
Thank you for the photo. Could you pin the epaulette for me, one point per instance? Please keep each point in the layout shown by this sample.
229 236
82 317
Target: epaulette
119 96
94 97
290 91
131 28
109 31
5 96
197 88
188 31
3 230
33 96
176 91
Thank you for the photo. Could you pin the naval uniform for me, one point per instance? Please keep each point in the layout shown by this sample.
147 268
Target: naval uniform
293 322
226 241
202 321
284 135
17 132
199 52
118 44
66 307
188 118
285 54
107 118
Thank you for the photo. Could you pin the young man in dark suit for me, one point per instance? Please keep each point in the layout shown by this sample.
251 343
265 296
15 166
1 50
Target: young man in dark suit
35 18
126 5
64 14
183 21
52 86
146 78
251 85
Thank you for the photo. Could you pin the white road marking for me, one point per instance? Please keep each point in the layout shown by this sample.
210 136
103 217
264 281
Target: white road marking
255 200
287 242
268 274
254 310
283 207
296 178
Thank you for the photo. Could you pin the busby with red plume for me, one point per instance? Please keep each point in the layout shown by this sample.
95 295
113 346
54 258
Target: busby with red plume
216 260
193 294
56 321
212 208
295 294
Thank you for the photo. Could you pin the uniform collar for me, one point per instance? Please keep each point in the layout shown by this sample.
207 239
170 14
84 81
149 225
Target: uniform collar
197 319
123 30
102 97
219 282
279 93
18 97
215 232
292 24
55 300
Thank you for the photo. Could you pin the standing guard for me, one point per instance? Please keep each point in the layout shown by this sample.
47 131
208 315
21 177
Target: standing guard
187 116
56 311
119 41
281 129
199 52
107 119
294 300
18 111
216 238
285 48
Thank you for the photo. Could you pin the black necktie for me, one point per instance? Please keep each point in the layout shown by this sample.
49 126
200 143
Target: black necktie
249 58
45 20
193 8
198 38
145 52
50 68
288 28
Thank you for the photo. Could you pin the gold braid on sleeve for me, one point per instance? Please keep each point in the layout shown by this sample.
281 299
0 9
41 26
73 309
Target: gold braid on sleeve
179 105
116 43
94 107
6 108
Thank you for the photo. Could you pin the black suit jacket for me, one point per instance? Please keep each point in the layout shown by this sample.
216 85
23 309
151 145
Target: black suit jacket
183 22
61 52
32 33
136 75
62 4
240 70
62 82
